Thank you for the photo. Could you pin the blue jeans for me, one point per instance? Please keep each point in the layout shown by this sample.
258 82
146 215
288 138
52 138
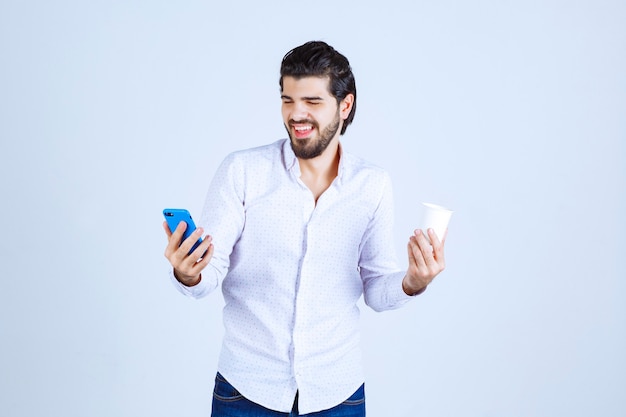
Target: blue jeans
228 402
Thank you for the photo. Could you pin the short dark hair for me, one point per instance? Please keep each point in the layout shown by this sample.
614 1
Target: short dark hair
318 59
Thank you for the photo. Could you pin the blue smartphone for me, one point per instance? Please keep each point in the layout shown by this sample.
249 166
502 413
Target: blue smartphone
174 216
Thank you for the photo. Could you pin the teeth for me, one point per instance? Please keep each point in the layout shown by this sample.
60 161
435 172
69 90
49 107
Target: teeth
303 128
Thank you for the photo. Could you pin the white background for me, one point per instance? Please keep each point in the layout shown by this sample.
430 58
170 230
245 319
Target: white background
510 112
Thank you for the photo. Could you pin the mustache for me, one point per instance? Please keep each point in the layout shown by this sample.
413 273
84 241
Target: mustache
307 121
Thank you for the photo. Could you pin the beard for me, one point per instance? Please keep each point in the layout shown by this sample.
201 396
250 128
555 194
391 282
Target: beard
313 147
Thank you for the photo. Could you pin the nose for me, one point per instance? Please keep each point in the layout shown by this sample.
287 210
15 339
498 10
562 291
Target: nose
299 111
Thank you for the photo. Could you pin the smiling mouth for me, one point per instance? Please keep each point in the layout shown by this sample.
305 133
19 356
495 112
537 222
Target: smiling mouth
302 131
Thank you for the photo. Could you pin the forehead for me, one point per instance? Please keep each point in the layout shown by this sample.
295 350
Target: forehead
306 86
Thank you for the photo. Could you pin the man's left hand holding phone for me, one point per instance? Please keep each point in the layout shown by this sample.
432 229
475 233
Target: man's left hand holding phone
188 253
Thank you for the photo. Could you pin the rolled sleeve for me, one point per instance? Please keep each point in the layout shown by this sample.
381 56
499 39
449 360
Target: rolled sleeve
207 284
382 279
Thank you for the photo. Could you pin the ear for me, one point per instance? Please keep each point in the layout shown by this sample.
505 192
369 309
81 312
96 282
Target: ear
345 106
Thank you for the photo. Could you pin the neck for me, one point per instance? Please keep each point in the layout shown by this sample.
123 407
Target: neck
323 164
319 172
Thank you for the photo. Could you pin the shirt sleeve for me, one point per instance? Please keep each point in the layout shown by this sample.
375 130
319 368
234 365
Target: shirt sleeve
382 278
197 291
223 219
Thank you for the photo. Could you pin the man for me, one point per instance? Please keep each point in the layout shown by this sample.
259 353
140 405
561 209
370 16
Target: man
299 230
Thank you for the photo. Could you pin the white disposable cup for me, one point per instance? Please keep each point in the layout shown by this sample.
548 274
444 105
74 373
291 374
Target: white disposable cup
434 217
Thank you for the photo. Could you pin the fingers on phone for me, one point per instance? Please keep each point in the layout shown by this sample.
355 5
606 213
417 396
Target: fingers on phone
167 229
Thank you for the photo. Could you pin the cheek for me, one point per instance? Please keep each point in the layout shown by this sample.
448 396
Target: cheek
328 116
285 114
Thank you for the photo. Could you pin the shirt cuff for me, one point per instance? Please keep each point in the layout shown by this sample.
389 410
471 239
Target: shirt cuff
199 290
396 295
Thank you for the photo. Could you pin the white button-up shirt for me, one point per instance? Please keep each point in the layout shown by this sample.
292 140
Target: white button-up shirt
292 272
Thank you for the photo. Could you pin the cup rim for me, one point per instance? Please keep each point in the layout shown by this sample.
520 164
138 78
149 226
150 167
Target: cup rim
437 207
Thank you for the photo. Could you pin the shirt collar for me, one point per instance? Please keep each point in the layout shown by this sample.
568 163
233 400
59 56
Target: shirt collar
291 161
342 165
289 158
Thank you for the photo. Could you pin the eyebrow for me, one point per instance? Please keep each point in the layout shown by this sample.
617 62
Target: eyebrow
312 98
